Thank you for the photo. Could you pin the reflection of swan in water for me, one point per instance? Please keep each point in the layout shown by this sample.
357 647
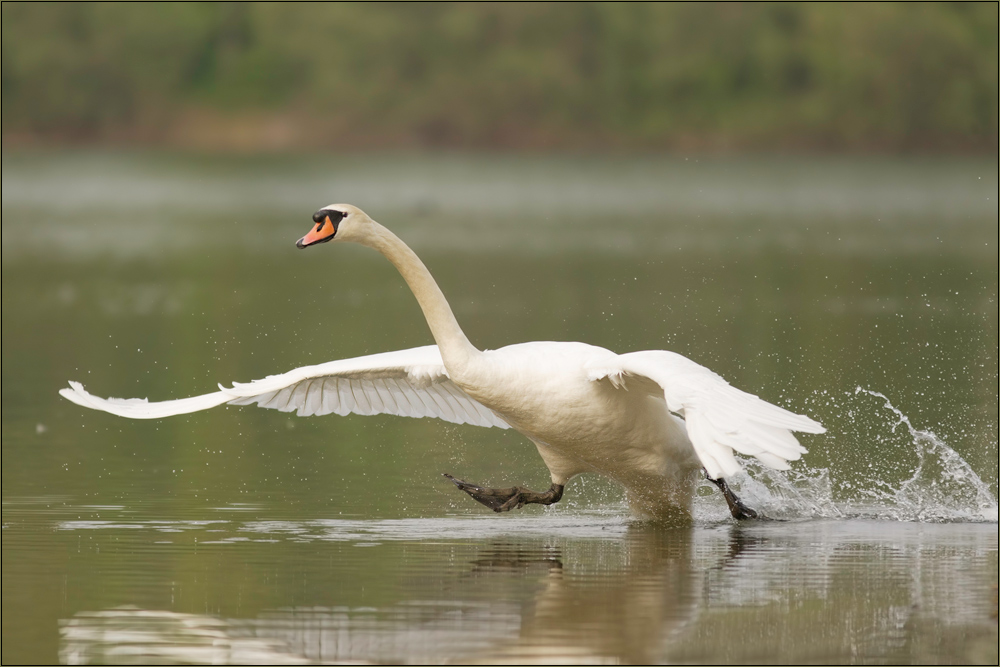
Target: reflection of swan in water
515 601
586 408
626 615
692 595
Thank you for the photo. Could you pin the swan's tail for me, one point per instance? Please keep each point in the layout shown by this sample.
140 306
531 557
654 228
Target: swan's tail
140 408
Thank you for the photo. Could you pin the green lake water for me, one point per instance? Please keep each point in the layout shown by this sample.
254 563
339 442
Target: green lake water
862 292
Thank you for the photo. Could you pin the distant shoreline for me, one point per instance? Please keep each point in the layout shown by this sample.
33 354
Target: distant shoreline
208 131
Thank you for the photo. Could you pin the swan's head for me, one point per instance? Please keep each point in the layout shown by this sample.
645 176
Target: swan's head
341 222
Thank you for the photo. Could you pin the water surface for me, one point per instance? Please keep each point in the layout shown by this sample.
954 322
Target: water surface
862 292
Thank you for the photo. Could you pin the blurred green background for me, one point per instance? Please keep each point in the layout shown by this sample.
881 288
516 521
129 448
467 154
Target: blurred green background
882 77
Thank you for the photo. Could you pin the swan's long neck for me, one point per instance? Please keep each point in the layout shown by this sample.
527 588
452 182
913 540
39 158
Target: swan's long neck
456 350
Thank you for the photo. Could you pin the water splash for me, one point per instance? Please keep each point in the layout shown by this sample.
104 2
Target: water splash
942 486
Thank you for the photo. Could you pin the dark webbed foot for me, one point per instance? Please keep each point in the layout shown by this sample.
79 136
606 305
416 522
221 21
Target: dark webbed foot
504 500
736 506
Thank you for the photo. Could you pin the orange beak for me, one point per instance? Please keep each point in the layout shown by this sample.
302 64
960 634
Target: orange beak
323 232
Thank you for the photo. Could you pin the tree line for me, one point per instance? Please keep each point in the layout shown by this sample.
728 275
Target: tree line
885 77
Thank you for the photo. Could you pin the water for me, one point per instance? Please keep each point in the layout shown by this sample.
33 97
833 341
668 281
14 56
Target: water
862 292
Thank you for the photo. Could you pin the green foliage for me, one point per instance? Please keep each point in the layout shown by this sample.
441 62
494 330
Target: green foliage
638 76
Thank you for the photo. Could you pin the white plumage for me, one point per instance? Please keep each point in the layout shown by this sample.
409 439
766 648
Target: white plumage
647 419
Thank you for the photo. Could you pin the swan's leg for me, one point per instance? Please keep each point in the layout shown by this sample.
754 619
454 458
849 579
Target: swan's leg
736 506
504 500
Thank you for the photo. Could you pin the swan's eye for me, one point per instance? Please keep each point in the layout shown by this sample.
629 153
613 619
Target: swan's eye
334 215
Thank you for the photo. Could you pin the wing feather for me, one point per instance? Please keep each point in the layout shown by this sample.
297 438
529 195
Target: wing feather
389 405
363 405
331 397
347 405
402 400
427 405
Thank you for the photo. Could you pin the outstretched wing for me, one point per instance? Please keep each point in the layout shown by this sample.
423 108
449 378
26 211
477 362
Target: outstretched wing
409 383
720 418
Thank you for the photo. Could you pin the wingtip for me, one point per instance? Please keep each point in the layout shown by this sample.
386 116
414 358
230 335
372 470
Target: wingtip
75 394
814 427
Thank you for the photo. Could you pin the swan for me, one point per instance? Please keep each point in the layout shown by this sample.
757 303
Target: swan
649 420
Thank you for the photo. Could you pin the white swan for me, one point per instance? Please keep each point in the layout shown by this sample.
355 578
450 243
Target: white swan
648 420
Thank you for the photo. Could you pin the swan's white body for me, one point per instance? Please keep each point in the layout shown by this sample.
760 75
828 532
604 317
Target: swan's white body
586 408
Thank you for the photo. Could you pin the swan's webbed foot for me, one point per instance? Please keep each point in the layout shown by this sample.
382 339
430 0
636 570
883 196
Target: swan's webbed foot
504 500
736 506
